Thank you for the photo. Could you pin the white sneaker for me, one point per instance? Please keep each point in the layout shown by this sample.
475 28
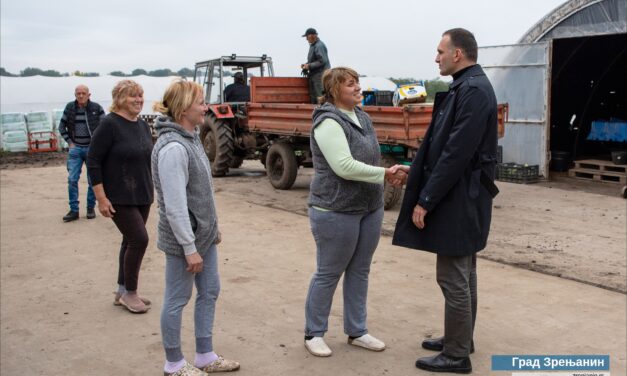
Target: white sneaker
367 342
317 347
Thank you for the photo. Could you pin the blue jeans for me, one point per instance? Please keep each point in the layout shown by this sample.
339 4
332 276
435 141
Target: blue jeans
178 290
75 159
345 244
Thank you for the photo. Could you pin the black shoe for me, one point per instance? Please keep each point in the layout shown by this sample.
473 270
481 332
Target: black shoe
437 344
91 214
445 363
70 216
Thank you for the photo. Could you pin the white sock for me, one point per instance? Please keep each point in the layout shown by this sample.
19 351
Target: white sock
172 367
204 359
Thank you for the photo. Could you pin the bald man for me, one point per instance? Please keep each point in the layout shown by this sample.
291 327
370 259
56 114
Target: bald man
79 121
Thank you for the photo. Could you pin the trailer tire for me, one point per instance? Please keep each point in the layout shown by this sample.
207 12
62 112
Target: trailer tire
281 165
217 139
391 194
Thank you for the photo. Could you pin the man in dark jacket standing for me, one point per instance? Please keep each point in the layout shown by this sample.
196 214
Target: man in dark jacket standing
317 63
447 206
80 119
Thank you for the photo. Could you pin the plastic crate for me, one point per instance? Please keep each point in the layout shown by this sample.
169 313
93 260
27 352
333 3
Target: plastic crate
499 154
383 97
516 173
42 141
377 98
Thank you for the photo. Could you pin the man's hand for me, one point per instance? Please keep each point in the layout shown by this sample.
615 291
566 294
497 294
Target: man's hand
105 207
304 66
194 263
418 216
396 175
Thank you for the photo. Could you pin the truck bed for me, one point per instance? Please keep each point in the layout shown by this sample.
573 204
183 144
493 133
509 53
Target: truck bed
279 105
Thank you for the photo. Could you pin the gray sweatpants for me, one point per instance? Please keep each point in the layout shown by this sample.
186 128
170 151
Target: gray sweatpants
345 244
178 290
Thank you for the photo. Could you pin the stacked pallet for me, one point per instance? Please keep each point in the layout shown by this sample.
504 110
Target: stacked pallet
599 170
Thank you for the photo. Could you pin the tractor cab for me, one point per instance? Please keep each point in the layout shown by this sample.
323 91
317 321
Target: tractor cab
216 74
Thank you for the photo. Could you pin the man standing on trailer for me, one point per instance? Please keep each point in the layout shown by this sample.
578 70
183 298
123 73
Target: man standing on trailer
317 63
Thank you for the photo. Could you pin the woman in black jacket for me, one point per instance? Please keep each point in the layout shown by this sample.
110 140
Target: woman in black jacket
118 164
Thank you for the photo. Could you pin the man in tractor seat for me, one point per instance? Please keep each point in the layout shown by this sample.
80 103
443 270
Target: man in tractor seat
238 91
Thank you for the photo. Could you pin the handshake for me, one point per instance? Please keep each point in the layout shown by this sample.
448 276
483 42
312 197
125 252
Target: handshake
396 175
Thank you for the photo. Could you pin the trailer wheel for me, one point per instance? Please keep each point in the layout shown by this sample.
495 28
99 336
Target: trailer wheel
217 139
391 194
281 165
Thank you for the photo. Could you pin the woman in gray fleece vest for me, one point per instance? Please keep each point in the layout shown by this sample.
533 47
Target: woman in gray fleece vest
346 209
188 228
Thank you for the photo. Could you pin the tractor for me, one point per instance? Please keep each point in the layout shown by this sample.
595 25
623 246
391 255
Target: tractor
224 134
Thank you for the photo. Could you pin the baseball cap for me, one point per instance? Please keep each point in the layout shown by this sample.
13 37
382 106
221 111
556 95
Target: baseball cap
309 31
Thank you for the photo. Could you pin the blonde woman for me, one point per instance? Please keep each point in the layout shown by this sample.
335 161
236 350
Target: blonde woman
188 229
118 164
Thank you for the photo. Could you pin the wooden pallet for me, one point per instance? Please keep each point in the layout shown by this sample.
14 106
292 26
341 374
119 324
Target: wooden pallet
597 175
600 166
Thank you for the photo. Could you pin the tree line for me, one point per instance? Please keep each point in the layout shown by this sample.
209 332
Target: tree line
28 72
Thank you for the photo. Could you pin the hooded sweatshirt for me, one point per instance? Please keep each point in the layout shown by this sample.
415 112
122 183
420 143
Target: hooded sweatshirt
182 178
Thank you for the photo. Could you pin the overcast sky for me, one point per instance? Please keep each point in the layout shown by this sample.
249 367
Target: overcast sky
377 38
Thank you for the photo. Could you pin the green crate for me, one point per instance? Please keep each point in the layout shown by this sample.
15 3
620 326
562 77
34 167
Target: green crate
517 173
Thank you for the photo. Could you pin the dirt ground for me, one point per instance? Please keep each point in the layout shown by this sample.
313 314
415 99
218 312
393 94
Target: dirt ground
56 283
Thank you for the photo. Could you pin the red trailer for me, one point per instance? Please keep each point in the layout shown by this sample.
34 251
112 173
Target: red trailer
275 125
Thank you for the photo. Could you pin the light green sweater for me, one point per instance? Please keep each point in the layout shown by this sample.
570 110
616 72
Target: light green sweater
334 146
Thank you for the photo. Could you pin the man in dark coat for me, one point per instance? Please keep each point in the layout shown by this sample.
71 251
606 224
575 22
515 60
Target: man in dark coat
317 63
447 206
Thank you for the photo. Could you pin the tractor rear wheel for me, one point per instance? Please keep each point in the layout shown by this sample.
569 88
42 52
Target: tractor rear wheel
391 194
217 139
281 165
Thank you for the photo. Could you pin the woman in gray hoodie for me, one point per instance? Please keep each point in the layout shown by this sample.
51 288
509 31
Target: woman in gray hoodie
187 230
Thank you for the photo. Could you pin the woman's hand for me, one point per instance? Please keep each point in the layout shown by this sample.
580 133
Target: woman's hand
105 207
219 238
194 263
396 175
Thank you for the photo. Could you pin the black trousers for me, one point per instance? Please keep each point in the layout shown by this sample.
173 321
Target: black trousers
457 277
131 221
315 87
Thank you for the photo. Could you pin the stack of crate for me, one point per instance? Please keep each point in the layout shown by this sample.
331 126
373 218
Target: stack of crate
13 131
56 119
